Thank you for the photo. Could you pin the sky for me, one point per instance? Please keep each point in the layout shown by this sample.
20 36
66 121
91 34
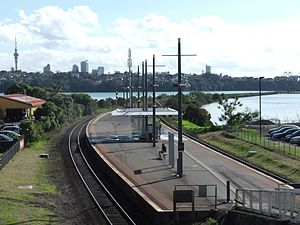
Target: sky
237 38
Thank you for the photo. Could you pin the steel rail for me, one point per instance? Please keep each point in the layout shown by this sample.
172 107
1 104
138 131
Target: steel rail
114 202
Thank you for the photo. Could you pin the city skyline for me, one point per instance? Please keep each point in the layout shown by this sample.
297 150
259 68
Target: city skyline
238 39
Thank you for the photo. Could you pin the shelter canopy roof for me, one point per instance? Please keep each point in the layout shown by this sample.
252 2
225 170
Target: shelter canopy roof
141 112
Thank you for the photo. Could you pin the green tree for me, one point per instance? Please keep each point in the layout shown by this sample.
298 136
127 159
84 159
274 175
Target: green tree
197 115
18 88
85 100
30 130
230 114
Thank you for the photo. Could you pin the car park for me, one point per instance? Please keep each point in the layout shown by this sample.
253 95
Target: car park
14 128
287 138
11 134
284 133
281 130
295 140
282 126
5 142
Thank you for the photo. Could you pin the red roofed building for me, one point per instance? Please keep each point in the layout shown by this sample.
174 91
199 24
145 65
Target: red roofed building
15 107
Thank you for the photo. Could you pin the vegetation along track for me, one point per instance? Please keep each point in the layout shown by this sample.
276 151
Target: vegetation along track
108 206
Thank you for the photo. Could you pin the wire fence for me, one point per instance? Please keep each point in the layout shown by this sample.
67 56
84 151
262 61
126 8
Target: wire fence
252 135
10 153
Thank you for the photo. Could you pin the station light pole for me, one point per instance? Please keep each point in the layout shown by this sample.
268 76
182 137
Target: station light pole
260 80
179 87
154 86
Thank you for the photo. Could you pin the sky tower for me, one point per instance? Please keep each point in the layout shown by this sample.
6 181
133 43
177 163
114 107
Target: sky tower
16 55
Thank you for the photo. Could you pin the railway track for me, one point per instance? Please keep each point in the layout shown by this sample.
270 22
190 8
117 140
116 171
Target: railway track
111 211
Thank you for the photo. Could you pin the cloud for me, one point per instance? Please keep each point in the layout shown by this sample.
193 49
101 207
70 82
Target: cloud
64 37
53 23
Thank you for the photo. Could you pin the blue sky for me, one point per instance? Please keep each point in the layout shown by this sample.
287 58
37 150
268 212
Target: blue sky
238 38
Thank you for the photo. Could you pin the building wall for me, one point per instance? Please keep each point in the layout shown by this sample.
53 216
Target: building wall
84 66
9 104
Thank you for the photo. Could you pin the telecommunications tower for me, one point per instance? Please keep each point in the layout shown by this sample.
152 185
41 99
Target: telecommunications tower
16 55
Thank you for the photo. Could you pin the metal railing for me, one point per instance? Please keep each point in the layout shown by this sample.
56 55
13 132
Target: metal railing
280 203
204 196
11 152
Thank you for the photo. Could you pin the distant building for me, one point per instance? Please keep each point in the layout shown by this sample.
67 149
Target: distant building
47 69
75 71
15 107
98 72
207 69
84 66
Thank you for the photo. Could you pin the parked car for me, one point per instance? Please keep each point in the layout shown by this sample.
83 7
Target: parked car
14 128
284 133
281 130
295 140
282 126
287 138
11 134
5 142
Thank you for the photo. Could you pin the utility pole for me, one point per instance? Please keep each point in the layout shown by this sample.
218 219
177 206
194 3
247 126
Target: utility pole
179 87
146 98
129 64
154 86
143 85
138 85
260 79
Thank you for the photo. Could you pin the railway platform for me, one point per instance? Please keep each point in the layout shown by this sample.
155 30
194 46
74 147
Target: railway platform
154 180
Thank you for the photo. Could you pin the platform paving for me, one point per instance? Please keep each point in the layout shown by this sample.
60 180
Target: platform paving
155 179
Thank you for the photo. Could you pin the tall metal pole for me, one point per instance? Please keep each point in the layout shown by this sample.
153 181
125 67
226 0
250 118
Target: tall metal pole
146 86
124 101
154 86
129 63
179 86
153 105
260 79
143 85
138 85
180 143
146 98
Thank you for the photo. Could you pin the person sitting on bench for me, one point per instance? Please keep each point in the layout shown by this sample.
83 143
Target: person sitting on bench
162 153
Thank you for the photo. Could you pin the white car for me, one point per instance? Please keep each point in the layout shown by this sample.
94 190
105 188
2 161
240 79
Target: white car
14 128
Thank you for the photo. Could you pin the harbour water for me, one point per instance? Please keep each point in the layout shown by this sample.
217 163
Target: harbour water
104 95
285 107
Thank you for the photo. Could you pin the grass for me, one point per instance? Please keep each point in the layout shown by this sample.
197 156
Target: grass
26 196
253 136
191 127
264 158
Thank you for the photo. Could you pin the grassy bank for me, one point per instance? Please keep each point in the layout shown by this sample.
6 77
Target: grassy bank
273 161
279 160
26 196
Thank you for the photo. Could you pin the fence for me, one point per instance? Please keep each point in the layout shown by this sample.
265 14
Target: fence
251 135
10 153
278 203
